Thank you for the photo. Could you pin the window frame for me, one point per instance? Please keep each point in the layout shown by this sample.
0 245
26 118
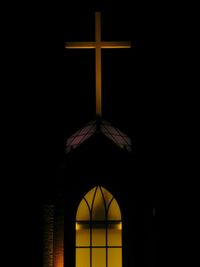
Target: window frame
91 223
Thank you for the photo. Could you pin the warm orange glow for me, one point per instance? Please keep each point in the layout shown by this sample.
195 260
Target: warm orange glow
59 255
59 241
59 261
114 45
80 45
98 45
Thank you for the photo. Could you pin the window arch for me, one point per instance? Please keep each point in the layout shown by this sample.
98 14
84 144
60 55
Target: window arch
98 230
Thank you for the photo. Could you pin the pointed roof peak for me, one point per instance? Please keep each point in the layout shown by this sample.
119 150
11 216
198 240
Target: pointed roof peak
99 126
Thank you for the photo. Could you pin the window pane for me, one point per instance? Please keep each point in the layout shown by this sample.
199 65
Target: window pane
99 257
82 257
115 234
98 234
114 211
83 212
90 195
114 257
82 234
107 196
99 211
94 227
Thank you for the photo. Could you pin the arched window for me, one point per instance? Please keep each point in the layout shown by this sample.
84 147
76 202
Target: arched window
98 230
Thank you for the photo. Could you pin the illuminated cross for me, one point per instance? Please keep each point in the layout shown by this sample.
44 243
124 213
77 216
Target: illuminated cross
97 45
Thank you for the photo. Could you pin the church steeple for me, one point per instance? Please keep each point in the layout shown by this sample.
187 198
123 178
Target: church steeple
119 138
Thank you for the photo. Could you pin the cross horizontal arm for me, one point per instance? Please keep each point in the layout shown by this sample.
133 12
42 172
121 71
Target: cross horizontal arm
80 45
115 44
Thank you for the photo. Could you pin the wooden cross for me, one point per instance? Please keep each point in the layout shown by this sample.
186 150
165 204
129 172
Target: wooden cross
97 45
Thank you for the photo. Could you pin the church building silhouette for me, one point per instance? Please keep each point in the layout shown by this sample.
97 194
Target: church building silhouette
103 211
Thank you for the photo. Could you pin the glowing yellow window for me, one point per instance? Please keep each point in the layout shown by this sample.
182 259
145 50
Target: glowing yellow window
98 230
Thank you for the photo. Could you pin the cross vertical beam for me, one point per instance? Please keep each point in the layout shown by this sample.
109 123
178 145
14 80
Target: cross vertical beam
98 63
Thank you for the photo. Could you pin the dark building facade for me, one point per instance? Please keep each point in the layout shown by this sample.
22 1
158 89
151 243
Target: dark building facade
99 162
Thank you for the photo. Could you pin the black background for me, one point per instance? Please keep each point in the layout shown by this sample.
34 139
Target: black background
51 94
